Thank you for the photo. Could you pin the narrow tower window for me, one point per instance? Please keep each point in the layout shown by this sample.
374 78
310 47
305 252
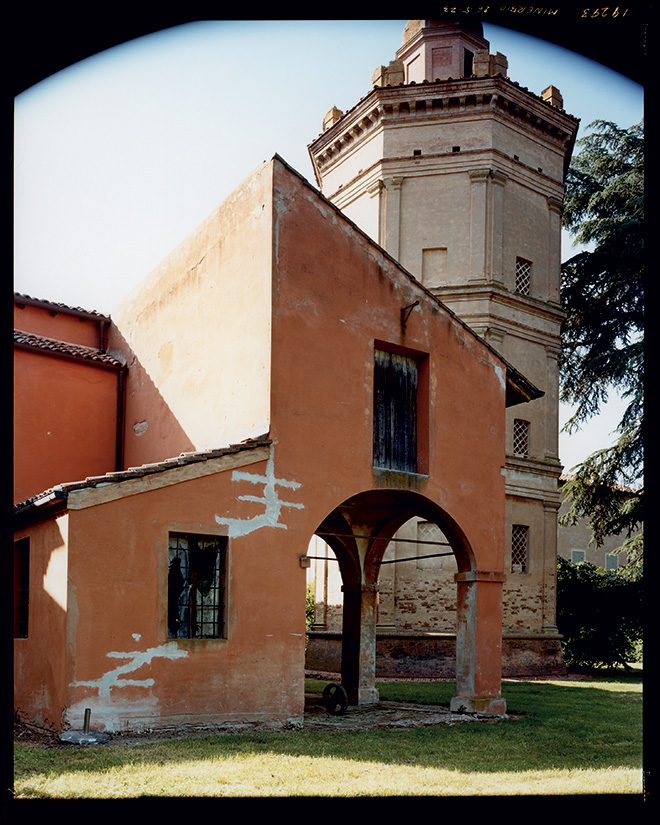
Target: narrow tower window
520 437
523 276
519 547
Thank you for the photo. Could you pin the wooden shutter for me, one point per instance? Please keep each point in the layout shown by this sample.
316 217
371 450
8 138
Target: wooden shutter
395 412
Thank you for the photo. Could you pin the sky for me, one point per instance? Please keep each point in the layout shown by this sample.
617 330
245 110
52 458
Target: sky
118 158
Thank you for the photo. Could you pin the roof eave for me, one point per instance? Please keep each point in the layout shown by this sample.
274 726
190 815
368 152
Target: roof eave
519 390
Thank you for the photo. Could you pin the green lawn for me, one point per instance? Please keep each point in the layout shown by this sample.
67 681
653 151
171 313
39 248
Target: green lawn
573 737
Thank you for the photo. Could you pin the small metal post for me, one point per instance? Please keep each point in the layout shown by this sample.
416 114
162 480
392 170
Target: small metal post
88 713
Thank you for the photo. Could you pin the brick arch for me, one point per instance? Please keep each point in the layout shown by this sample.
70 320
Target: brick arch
358 531
375 516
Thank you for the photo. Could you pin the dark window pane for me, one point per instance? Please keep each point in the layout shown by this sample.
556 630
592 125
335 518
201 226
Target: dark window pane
395 412
21 587
196 586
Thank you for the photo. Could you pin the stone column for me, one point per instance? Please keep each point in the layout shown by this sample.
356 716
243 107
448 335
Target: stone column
377 209
496 241
478 224
358 656
479 643
392 218
554 251
552 403
550 512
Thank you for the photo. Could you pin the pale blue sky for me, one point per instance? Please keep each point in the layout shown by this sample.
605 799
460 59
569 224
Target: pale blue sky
119 157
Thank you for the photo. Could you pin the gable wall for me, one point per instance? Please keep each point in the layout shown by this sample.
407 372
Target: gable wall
65 421
335 294
197 335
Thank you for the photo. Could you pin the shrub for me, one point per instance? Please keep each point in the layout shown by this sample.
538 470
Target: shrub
599 614
309 606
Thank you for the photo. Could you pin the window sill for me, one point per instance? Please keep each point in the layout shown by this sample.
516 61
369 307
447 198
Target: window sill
398 478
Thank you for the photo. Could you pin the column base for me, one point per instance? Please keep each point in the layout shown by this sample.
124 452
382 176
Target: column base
489 705
362 697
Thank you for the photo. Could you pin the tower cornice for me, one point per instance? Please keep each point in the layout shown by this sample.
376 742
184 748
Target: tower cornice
417 102
487 161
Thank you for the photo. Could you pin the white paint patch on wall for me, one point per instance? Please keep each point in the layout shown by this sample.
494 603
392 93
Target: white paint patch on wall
270 499
501 375
140 427
112 711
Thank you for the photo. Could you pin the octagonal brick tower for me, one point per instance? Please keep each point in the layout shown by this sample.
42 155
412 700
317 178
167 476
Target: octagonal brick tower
458 172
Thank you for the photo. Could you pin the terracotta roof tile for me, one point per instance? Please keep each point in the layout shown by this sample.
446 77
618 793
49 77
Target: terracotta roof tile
146 469
39 342
20 298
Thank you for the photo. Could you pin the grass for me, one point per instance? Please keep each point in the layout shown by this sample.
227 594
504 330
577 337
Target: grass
572 737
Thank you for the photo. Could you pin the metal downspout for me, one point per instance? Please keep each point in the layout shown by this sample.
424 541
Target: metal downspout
121 405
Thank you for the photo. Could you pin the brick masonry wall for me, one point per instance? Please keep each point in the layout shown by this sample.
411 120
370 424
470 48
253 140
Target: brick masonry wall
434 656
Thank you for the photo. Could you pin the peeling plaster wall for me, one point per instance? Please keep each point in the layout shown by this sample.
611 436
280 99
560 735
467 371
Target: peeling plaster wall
124 667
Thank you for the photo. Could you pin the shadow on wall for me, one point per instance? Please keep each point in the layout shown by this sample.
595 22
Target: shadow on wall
151 431
41 602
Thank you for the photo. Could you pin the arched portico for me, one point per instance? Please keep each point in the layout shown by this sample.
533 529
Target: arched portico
359 531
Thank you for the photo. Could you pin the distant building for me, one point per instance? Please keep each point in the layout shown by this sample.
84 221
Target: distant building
575 543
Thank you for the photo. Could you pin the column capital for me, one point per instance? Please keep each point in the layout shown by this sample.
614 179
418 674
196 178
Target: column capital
555 205
479 175
392 183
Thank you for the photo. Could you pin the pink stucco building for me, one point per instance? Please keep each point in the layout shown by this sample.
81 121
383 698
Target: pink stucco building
282 377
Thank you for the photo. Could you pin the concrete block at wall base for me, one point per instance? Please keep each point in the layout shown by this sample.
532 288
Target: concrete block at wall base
487 705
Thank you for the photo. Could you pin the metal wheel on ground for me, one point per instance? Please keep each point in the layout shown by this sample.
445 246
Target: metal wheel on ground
334 699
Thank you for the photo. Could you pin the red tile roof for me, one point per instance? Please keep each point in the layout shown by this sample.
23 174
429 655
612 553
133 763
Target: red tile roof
60 490
27 300
28 340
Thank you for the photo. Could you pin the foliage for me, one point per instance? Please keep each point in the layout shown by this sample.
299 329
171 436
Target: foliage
599 614
309 606
602 337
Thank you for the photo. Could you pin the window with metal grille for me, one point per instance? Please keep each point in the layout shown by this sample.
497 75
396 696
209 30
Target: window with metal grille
520 437
21 587
523 276
519 547
432 543
395 411
196 586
